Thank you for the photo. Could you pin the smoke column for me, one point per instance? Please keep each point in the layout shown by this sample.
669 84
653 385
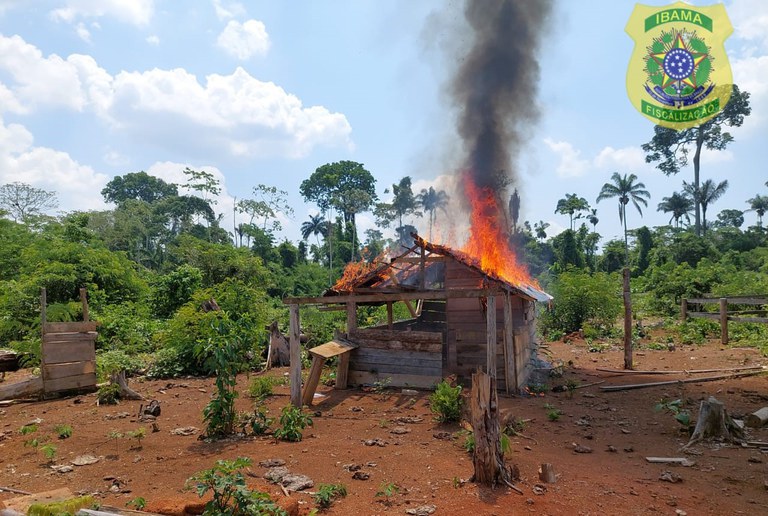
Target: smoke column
495 86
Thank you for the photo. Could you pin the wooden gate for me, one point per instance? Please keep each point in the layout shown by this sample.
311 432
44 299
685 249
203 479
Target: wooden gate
68 352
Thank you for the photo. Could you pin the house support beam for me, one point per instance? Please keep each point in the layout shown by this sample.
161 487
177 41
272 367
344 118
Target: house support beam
510 371
491 339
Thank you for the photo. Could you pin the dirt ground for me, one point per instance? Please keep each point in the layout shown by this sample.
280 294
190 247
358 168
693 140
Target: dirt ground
426 460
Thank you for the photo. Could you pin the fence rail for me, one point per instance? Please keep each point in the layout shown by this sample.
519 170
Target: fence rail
724 315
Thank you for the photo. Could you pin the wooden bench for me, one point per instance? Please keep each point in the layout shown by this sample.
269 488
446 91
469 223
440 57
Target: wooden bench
320 354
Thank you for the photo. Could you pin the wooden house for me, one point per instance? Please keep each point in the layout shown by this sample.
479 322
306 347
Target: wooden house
462 319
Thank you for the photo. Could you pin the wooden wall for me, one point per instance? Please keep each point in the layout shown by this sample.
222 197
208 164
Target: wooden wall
465 343
69 356
406 358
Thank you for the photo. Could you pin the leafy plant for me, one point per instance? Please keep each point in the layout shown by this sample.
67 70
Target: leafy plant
469 442
387 490
138 434
553 413
446 402
114 435
571 385
328 493
257 421
538 388
48 451
63 431
261 387
28 429
380 386
108 394
231 496
675 407
137 503
292 422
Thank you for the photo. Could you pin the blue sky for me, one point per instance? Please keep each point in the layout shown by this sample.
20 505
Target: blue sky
267 91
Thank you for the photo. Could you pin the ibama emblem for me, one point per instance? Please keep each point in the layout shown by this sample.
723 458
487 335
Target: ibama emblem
679 75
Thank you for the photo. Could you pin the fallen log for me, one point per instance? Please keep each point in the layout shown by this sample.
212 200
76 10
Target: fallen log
685 371
757 418
615 388
25 388
16 491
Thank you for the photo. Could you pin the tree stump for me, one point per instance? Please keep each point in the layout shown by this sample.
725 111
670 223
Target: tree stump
126 392
279 349
488 457
714 422
547 473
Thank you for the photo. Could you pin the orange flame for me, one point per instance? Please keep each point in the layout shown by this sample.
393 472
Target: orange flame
352 273
489 241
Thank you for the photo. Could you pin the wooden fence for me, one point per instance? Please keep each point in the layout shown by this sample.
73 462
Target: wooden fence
692 307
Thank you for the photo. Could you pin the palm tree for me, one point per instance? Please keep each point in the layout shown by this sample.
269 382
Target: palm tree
593 219
432 200
541 229
758 204
626 189
707 193
314 226
570 205
679 205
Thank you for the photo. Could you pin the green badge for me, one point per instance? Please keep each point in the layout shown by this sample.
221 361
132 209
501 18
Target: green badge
679 75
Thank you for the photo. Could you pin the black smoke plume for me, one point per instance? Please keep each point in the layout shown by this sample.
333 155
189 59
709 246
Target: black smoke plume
495 86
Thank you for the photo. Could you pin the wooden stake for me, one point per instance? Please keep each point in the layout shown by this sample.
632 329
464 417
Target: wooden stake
684 310
627 322
295 350
723 321
690 371
614 388
488 458
84 301
490 347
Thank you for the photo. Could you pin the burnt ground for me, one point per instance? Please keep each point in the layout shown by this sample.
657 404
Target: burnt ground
426 460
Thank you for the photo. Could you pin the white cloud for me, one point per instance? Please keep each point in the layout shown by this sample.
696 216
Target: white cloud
228 11
115 158
153 40
750 19
134 12
236 114
48 169
751 74
571 163
244 40
83 33
627 158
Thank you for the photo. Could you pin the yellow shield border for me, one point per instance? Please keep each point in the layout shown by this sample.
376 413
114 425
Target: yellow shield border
710 23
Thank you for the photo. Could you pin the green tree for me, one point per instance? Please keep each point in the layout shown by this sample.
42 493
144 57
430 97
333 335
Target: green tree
670 147
540 228
731 218
316 225
567 251
22 201
758 204
203 182
625 189
431 200
679 205
592 217
328 185
704 195
514 209
139 186
270 203
644 246
572 205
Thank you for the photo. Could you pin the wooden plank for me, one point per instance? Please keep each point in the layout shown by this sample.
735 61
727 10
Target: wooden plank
509 353
70 337
295 354
313 380
401 296
342 371
396 380
57 353
390 318
490 343
332 348
673 382
397 345
394 356
21 389
22 503
682 371
412 336
430 316
54 371
704 315
723 322
749 319
351 316
83 381
735 300
70 327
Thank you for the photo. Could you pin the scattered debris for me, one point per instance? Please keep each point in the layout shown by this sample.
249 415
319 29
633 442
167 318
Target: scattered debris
119 415
62 468
84 460
757 418
409 392
409 419
375 442
670 476
671 460
184 430
352 467
539 489
271 463
294 482
447 436
422 510
579 448
399 430
276 474
612 449
356 409
361 475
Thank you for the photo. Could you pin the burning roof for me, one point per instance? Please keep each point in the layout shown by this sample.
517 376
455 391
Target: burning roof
402 273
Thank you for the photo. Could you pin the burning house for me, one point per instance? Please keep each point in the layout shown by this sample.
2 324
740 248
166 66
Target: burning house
464 316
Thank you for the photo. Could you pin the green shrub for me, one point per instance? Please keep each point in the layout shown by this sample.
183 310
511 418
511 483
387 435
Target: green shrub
231 496
446 402
166 363
63 431
114 361
108 394
60 508
328 493
292 422
582 298
261 387
257 421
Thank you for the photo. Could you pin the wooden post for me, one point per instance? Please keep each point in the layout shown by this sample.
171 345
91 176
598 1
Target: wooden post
684 310
488 458
490 346
342 371
295 351
351 317
43 303
43 320
390 318
723 321
84 301
510 376
313 380
423 278
627 322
